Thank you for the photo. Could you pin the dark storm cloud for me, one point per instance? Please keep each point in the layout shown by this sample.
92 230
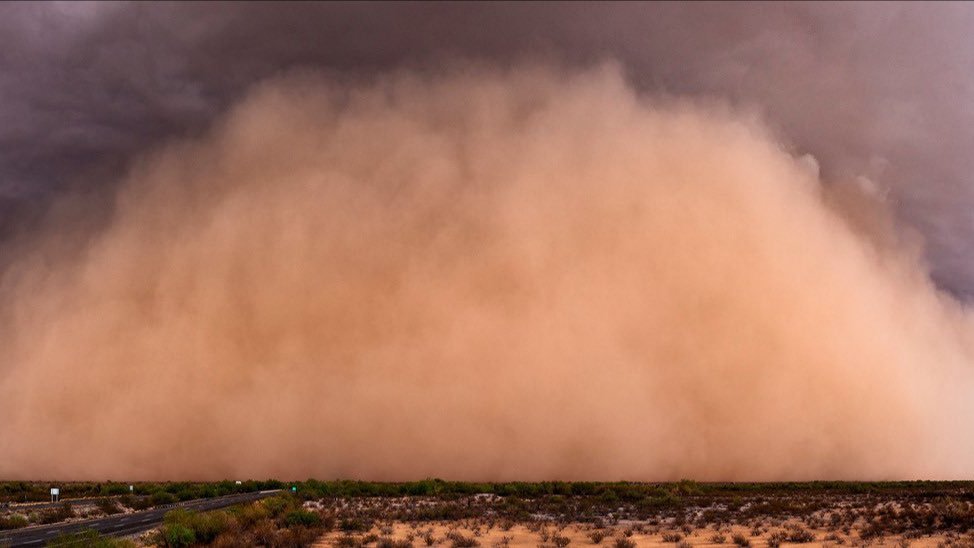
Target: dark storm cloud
878 90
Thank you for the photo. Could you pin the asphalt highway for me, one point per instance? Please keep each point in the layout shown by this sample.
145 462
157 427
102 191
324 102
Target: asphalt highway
121 524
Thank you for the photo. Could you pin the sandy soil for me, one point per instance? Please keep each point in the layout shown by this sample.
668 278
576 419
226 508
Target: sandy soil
578 535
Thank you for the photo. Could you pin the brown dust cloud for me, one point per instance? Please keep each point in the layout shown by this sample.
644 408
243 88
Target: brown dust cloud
530 273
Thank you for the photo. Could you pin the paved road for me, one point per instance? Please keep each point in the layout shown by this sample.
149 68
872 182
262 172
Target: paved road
121 524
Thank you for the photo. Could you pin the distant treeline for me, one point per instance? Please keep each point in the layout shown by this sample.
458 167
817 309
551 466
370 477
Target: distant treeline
156 492
165 492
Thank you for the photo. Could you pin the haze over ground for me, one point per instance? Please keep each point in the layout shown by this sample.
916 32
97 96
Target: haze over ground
532 241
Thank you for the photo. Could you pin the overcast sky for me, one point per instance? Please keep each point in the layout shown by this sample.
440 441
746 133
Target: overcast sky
880 90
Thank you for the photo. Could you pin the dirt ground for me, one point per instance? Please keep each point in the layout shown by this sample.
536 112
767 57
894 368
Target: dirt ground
579 535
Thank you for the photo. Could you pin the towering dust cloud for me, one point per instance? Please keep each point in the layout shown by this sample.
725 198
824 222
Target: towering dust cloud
481 274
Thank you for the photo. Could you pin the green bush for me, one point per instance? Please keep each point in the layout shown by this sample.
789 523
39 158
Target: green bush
177 535
209 525
187 494
278 505
15 521
250 514
179 515
112 489
160 498
205 527
303 517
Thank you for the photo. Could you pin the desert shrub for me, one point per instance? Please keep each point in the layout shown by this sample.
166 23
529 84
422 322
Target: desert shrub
186 494
300 516
597 536
671 536
354 524
205 527
160 498
295 537
388 542
776 538
109 507
624 542
800 535
328 522
58 514
460 541
560 541
347 541
279 505
834 538
263 533
871 531
683 544
139 503
718 538
14 521
740 540
232 539
250 514
210 525
428 538
112 489
177 535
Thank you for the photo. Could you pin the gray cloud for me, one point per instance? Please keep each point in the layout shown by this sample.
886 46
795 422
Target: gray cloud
882 90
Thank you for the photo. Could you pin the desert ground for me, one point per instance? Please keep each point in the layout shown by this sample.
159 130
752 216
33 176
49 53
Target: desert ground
583 534
435 513
684 514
